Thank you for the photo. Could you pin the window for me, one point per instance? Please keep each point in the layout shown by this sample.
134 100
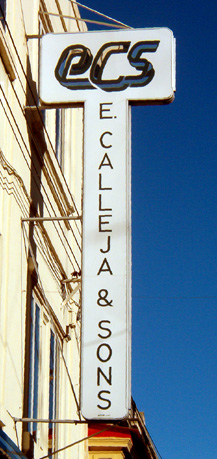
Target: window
53 379
59 136
34 367
2 11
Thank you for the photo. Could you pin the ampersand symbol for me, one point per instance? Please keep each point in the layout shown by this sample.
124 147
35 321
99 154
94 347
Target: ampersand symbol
102 300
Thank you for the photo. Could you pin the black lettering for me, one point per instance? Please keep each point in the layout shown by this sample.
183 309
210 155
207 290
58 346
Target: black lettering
105 267
105 161
74 61
104 399
108 350
146 68
108 378
102 299
101 223
104 328
100 204
102 109
100 184
108 245
101 139
100 61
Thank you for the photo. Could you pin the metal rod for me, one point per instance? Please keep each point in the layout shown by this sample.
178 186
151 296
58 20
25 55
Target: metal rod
33 36
64 16
68 421
53 421
48 219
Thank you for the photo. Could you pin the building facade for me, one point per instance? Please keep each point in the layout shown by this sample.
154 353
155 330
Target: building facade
41 182
127 439
40 260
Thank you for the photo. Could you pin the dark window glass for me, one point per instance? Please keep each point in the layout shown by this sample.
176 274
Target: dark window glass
34 367
52 391
59 136
2 11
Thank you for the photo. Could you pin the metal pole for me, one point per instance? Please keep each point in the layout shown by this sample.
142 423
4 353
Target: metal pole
66 421
48 219
48 421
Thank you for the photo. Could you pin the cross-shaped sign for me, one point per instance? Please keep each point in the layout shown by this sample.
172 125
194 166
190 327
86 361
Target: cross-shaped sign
108 72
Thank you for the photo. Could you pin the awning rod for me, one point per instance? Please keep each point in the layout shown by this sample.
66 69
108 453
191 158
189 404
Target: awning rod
53 421
48 219
65 421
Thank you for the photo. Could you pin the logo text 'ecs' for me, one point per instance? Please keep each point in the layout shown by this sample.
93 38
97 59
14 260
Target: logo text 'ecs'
77 59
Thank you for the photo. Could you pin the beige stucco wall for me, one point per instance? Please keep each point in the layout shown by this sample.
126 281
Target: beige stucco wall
30 173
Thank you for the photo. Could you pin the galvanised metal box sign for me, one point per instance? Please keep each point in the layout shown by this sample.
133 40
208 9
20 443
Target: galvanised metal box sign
106 71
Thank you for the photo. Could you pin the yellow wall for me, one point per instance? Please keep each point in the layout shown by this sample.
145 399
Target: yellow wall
30 175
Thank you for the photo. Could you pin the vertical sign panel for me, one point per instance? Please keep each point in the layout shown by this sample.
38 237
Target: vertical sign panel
106 71
106 268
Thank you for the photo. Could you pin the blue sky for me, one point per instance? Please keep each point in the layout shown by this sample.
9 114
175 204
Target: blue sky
174 209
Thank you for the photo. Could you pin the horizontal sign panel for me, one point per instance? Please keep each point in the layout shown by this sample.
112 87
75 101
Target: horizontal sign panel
139 64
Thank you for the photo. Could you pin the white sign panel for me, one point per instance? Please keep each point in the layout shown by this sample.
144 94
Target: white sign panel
106 70
106 284
138 63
